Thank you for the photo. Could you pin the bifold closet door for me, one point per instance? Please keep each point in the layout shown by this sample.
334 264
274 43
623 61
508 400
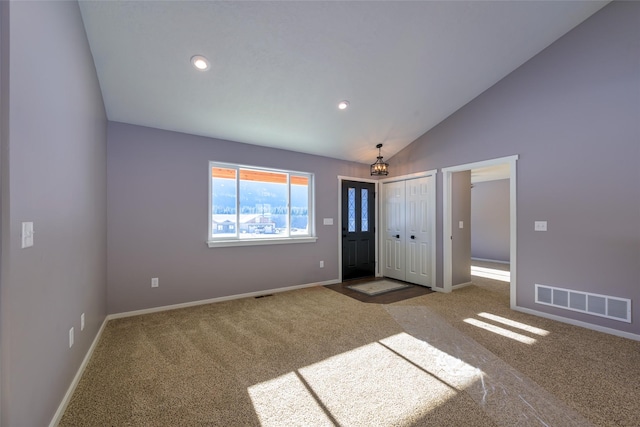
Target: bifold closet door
418 246
394 230
408 225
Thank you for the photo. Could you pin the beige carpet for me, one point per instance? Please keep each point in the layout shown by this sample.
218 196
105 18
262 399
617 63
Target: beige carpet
315 357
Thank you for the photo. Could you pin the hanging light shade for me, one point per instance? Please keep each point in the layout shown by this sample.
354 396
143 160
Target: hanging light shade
379 168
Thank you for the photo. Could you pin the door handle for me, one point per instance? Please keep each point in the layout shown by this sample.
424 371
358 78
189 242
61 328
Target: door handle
397 236
413 237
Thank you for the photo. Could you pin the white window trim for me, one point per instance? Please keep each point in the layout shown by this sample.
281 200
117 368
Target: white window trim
258 242
226 242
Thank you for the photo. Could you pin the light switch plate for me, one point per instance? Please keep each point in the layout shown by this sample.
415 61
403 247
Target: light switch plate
540 226
327 221
27 234
461 224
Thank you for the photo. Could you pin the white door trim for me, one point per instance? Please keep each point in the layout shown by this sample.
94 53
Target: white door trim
447 225
433 173
433 200
339 225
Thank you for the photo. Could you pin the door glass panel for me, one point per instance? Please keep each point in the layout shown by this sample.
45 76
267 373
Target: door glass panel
364 220
352 210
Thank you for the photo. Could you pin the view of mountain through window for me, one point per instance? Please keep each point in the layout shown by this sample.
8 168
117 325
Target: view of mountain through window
251 203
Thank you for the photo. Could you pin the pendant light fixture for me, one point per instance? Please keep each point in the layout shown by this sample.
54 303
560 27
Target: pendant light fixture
379 168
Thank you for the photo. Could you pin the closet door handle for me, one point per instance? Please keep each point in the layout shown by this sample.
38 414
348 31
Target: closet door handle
413 237
397 236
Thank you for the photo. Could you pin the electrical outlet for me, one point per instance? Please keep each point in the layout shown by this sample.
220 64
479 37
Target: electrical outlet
70 337
27 234
82 322
321 264
540 226
154 282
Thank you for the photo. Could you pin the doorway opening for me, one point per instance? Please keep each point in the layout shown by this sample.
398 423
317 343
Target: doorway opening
490 224
505 168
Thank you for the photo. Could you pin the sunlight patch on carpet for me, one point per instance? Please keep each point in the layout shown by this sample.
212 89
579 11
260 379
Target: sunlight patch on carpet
491 273
286 401
514 324
500 331
377 287
447 368
369 385
504 393
372 385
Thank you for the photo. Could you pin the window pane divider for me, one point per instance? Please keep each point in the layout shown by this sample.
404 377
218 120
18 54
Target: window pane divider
237 234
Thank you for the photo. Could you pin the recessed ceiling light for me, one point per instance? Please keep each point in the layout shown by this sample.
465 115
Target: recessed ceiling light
200 62
343 105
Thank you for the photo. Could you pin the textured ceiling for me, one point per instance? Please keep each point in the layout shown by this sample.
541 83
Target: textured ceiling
279 69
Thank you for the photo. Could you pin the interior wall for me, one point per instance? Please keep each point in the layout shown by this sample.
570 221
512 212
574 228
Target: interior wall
571 114
490 220
53 174
4 116
460 236
157 220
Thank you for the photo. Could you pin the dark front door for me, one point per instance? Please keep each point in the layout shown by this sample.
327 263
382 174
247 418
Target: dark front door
358 230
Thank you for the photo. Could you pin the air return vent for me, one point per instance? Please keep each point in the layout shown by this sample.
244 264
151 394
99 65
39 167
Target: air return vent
599 305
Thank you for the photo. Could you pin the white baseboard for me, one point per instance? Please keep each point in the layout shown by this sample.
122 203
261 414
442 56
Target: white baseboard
580 323
76 379
490 260
462 285
214 300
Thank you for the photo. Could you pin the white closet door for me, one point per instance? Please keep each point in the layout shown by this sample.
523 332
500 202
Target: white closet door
418 231
394 230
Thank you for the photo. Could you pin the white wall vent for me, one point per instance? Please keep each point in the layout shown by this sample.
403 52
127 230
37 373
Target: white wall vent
599 305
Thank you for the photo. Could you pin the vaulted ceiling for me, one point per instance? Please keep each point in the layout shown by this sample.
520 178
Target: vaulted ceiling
279 69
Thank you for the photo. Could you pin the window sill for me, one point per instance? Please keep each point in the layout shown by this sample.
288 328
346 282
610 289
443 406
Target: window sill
260 242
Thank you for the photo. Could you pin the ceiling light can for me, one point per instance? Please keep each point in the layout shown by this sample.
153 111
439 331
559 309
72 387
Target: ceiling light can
200 63
342 105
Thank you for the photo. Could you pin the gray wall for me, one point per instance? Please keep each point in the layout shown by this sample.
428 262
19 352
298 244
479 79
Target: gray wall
490 220
157 221
571 113
54 174
461 237
4 135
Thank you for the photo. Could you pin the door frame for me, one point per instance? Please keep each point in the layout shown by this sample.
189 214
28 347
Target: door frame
433 211
339 224
447 222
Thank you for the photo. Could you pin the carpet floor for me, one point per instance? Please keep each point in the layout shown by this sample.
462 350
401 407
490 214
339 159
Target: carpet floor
316 357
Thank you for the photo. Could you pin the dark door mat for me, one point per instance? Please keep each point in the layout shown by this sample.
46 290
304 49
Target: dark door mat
411 291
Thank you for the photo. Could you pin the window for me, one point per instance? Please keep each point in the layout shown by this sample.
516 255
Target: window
251 205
